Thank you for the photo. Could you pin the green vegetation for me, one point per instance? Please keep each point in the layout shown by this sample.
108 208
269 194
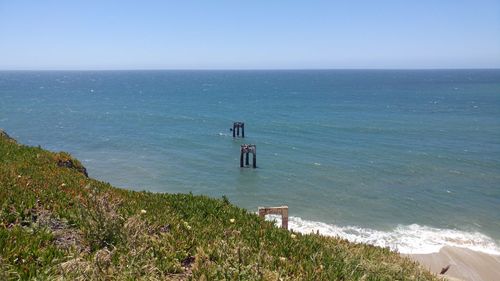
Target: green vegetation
56 223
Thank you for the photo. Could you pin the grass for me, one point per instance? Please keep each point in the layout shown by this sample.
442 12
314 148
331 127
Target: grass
58 224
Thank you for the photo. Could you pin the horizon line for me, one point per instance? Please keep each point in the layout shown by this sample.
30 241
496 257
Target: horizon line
243 69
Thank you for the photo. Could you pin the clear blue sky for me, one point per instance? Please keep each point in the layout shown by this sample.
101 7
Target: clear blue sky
252 34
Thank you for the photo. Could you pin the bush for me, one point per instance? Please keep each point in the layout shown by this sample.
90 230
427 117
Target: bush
101 224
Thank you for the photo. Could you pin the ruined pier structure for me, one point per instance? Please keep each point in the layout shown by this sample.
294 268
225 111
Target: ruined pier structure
236 129
282 210
244 151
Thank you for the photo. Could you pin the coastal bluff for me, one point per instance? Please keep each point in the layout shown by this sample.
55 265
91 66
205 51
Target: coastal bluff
5 136
63 159
57 223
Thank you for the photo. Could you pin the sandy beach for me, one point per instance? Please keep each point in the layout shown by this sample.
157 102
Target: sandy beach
464 264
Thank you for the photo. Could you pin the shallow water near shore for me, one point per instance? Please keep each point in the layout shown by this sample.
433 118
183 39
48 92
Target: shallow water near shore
404 159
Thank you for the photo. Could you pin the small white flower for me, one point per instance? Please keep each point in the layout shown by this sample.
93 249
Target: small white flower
63 184
143 211
293 236
232 220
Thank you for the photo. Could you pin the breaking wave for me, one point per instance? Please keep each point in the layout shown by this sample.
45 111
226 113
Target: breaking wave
406 239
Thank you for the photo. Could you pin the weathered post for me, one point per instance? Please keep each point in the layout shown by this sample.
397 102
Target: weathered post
243 130
247 149
282 210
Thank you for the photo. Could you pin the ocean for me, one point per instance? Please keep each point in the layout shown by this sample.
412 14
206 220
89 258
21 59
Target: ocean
406 159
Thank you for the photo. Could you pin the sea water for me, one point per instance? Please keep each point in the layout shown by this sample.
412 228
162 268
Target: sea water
406 159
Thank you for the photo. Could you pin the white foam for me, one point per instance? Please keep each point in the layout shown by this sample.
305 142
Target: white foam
407 239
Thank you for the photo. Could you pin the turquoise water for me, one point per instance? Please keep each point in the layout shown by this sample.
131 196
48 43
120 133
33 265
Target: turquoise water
405 159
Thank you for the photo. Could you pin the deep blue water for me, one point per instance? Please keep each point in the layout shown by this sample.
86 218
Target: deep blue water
402 158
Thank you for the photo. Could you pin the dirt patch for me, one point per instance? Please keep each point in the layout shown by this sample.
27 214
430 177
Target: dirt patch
66 237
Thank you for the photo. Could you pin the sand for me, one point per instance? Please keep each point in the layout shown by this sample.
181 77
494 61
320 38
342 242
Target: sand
464 264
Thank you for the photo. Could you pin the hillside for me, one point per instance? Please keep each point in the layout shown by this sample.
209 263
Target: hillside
57 223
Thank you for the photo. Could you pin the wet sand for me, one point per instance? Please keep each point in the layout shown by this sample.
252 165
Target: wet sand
464 264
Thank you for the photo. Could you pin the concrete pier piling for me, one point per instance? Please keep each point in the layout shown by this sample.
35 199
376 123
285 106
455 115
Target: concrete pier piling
236 129
281 210
244 151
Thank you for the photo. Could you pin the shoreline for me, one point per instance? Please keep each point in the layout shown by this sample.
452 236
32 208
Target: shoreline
464 264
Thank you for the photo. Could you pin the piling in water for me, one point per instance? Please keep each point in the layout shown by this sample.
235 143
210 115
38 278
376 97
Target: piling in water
236 129
244 151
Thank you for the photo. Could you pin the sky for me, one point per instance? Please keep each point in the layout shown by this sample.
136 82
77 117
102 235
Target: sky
252 34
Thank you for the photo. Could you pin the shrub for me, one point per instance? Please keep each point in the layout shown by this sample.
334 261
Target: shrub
101 223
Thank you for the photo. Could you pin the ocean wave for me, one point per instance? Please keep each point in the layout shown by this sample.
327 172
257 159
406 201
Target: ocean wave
406 239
